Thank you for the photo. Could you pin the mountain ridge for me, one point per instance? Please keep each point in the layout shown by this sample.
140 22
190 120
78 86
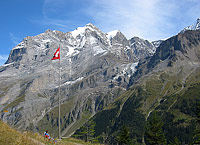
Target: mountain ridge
94 71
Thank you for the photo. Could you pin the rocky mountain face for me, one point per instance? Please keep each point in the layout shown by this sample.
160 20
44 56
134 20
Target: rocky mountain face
95 70
157 43
177 51
142 48
168 84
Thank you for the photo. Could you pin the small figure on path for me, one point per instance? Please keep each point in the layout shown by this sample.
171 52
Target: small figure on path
46 134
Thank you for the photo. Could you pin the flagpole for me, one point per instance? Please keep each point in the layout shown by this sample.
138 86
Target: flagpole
59 100
57 55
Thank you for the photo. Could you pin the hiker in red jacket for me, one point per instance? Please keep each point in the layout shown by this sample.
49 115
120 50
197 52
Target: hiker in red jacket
46 134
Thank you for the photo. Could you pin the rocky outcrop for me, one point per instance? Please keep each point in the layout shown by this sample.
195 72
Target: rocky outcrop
157 43
177 51
142 48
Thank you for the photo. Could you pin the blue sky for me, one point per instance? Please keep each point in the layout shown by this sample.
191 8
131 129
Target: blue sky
148 19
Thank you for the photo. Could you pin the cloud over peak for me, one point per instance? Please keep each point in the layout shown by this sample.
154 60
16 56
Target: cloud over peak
155 19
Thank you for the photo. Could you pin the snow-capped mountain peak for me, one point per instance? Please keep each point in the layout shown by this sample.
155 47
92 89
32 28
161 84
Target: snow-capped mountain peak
112 34
198 24
82 30
90 25
195 26
77 31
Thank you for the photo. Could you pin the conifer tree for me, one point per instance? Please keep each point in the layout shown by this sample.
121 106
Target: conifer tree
196 136
175 142
124 136
87 132
154 134
83 134
91 131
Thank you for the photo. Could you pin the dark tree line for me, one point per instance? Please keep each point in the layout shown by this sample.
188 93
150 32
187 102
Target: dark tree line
154 134
157 131
196 136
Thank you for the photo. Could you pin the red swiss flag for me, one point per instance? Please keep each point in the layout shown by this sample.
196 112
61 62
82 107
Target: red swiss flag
56 54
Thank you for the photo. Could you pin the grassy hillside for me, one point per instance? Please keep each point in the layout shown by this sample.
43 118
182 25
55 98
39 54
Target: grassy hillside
9 136
173 96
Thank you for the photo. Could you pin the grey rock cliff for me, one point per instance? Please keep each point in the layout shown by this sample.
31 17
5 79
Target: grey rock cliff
179 53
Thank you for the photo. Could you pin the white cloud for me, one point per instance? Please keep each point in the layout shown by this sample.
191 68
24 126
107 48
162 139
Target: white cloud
62 15
14 39
148 19
3 59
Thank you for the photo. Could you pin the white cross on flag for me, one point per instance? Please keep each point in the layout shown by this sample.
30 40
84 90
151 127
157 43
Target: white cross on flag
56 54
